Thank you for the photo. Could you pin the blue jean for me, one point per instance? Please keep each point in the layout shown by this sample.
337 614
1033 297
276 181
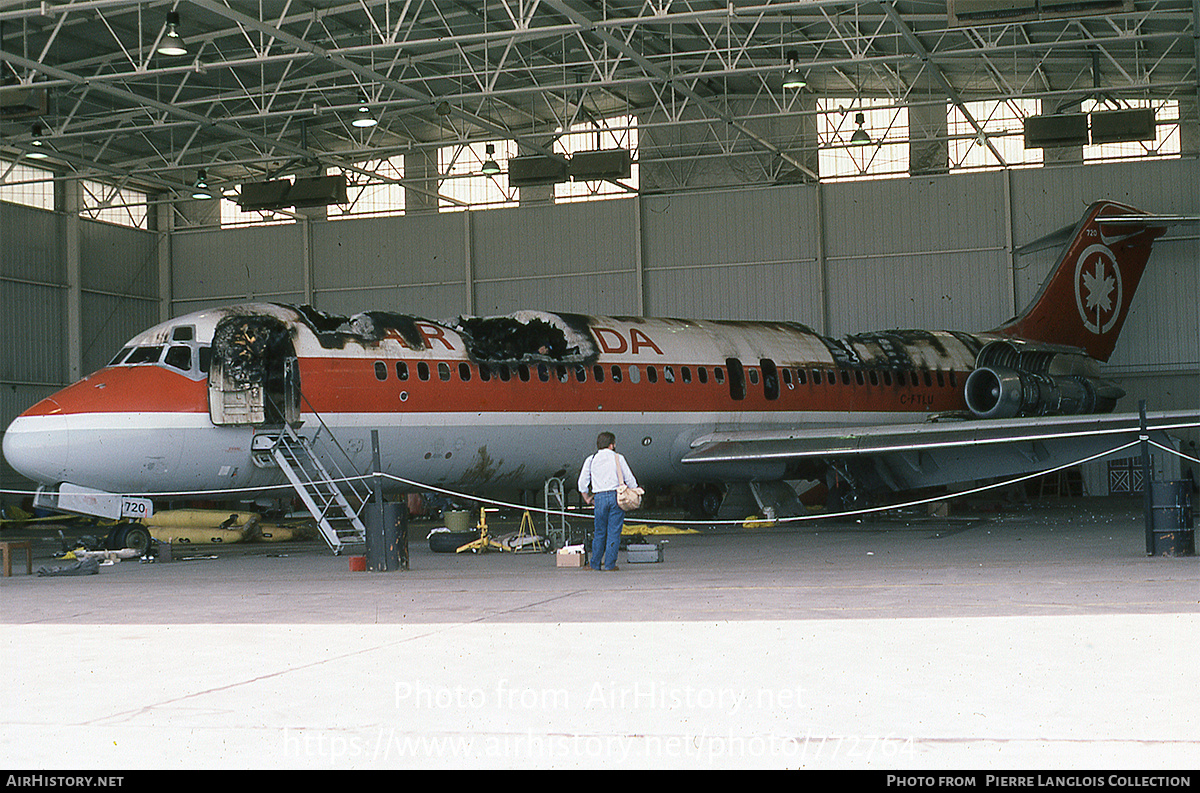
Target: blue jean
609 519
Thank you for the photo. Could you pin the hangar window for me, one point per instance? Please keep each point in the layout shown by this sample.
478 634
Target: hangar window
381 371
1166 141
111 204
1003 124
22 184
883 120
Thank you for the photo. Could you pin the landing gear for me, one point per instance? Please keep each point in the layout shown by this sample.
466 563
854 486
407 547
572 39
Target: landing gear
704 502
131 535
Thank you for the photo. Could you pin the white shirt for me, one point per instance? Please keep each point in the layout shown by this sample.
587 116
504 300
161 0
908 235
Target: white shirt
600 471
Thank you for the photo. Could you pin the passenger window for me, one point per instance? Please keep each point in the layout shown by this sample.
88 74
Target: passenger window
485 372
718 375
543 373
941 379
928 379
464 372
753 375
669 374
444 371
635 374
598 373
581 373
616 374
523 372
816 376
702 374
561 371
652 374
845 377
801 376
180 358
858 377
401 370
505 373
423 370
686 373
380 370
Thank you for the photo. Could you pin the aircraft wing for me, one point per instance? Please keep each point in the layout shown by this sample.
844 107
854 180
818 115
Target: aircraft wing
943 452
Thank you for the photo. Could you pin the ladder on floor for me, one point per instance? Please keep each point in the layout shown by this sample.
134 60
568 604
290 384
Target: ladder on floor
329 497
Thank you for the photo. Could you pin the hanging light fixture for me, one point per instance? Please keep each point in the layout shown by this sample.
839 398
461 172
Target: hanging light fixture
793 78
860 136
200 190
38 153
490 168
172 43
363 118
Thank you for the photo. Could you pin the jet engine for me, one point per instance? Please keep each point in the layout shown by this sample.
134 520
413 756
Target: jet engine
1011 380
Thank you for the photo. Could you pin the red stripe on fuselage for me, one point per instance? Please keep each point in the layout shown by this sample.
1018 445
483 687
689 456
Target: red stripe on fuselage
351 385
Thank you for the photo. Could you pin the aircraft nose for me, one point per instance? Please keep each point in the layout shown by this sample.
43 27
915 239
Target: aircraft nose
37 443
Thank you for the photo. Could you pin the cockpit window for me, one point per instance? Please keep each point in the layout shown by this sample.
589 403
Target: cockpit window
145 355
120 356
183 333
180 358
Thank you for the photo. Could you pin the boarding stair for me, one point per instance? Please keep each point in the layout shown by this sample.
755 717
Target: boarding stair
329 496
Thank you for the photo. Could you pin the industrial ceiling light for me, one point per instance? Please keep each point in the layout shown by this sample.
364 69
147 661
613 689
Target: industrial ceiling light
363 118
793 79
200 190
490 168
172 43
38 153
860 136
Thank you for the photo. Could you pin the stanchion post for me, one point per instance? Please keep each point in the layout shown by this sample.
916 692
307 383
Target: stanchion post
1147 499
387 521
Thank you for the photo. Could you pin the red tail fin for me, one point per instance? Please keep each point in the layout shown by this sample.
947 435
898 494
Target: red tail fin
1086 299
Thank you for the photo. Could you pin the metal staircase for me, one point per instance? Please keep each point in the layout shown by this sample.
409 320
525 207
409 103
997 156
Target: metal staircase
329 497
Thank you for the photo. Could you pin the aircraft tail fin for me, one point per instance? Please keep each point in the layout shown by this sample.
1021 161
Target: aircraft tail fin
1086 298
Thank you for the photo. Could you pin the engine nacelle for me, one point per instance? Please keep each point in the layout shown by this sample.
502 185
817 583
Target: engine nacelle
998 392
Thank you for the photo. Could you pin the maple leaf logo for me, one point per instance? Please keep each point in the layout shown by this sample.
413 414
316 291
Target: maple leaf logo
1099 288
1097 275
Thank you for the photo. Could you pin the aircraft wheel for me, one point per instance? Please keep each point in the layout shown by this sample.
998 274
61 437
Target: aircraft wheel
450 541
705 502
135 536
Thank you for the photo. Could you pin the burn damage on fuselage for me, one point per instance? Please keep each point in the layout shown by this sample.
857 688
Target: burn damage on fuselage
522 336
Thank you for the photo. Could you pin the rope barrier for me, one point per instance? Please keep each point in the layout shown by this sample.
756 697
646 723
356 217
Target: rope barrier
424 487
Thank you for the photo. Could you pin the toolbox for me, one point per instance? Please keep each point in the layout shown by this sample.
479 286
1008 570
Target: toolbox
642 553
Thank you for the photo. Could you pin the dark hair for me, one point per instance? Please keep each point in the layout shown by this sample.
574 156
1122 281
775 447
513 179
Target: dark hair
605 439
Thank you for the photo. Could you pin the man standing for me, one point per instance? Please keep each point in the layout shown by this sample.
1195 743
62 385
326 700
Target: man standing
598 481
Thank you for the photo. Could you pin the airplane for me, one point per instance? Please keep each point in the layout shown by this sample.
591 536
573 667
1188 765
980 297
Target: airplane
201 403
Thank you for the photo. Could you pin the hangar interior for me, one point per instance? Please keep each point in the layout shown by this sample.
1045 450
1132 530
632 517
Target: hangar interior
619 158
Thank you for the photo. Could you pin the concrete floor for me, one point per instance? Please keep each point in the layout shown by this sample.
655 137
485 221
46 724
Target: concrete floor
1027 638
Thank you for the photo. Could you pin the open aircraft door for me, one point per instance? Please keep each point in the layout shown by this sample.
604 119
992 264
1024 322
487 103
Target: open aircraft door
254 378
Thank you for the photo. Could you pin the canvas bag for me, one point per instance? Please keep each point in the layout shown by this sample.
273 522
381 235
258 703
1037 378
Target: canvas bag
628 498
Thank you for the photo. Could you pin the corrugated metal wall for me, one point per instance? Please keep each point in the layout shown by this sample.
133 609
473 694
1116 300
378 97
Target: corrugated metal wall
118 296
929 252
